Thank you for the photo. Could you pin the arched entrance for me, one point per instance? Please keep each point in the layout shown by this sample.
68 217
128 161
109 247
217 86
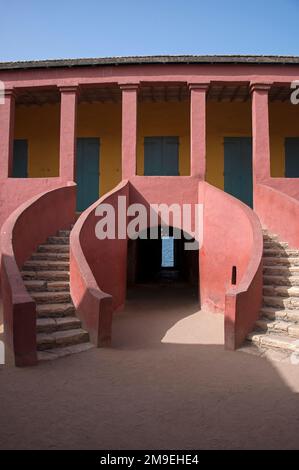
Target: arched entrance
163 260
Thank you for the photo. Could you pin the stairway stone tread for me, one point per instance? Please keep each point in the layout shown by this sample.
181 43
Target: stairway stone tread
44 275
280 276
275 259
55 309
274 340
58 322
55 353
51 246
282 289
282 252
59 335
277 326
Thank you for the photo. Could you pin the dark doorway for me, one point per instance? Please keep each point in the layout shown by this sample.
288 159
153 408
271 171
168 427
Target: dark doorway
162 260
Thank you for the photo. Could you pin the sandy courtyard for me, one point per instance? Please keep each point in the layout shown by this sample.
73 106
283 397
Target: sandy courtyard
166 383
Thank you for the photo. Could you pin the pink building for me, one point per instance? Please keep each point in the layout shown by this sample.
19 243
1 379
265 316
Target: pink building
221 131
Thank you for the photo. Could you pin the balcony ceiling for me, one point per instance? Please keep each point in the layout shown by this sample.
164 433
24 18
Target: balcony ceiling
217 92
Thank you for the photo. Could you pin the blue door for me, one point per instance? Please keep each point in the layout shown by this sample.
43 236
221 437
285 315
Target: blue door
292 157
87 171
20 159
161 156
238 168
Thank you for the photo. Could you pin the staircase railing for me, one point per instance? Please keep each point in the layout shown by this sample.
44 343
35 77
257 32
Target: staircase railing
97 279
26 228
231 262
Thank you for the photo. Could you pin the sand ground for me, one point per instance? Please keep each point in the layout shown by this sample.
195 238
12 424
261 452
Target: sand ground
167 383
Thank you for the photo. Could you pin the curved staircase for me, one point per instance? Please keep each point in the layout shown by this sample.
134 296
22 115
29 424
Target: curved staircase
46 277
278 326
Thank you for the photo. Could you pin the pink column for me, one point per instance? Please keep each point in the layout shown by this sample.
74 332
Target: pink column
198 93
7 119
260 132
68 122
129 129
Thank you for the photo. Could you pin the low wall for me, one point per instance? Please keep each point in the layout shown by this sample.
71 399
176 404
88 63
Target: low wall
278 208
98 271
232 240
16 191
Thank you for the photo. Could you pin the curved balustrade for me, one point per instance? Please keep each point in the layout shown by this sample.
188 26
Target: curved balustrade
27 227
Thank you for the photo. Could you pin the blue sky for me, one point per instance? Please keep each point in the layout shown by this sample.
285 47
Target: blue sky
41 29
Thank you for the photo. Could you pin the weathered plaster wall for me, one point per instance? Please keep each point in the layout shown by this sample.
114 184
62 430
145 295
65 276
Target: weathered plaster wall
284 122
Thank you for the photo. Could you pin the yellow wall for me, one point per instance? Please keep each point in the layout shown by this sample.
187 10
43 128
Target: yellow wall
103 120
224 120
164 119
234 120
284 122
40 126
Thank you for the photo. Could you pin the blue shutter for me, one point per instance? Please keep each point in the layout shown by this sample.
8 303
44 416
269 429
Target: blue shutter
153 149
292 157
238 168
87 172
161 156
170 165
20 159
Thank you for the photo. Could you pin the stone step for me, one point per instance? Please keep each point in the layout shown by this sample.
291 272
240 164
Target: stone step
278 326
281 270
43 265
284 260
49 256
50 286
34 285
49 324
48 248
277 280
55 310
291 303
64 233
275 314
61 338
58 240
46 275
55 286
281 252
51 297
281 291
270 236
55 353
265 340
275 244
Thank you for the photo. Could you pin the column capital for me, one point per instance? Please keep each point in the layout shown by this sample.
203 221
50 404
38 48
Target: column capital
69 89
256 86
129 86
199 86
9 92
